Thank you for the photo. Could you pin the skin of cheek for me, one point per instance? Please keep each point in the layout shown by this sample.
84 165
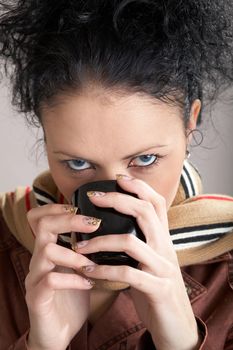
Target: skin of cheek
166 181
168 187
66 184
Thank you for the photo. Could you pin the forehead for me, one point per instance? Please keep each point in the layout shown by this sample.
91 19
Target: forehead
108 101
97 118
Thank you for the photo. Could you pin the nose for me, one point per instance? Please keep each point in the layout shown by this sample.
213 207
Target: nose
111 172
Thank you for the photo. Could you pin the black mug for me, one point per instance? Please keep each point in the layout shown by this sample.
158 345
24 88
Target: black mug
112 222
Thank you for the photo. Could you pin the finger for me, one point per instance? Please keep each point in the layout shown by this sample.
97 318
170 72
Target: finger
53 255
140 280
144 212
46 288
131 245
48 227
62 281
35 214
147 193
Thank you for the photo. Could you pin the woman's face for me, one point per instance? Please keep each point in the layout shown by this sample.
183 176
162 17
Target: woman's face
95 135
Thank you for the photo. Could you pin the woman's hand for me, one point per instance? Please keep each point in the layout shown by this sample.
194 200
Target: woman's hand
57 296
157 287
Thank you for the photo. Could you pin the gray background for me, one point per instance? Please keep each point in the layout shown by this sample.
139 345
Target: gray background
22 156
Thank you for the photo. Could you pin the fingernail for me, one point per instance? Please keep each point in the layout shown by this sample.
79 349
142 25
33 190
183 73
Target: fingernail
73 239
81 244
123 177
95 194
89 282
91 221
88 268
70 209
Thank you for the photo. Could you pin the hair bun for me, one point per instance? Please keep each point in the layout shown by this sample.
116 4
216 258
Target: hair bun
161 47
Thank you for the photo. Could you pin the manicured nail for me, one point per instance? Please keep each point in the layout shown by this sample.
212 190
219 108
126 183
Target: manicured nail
73 240
88 268
70 209
89 282
123 177
95 194
88 220
81 244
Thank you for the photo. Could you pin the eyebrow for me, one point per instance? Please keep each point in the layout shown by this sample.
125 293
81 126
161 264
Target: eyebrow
72 156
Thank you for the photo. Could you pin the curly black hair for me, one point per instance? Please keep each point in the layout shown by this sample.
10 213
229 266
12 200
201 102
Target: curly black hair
173 50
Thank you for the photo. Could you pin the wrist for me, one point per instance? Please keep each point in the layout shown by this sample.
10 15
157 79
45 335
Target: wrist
32 345
193 342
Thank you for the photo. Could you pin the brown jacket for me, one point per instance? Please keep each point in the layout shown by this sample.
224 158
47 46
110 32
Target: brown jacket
209 286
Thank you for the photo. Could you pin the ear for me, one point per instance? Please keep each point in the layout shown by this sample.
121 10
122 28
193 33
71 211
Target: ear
194 112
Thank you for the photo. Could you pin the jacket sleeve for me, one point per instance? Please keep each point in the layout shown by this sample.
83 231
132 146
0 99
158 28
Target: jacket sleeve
229 341
20 344
208 345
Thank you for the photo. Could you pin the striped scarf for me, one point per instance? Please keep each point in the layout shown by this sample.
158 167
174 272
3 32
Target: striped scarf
200 225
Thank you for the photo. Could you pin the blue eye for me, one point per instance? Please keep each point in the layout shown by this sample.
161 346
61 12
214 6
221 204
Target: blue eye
144 160
78 164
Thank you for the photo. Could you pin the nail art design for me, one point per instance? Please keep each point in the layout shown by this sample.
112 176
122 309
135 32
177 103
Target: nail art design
123 177
91 221
95 194
73 242
89 282
70 209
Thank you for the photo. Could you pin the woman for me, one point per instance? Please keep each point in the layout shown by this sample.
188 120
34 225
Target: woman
117 87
